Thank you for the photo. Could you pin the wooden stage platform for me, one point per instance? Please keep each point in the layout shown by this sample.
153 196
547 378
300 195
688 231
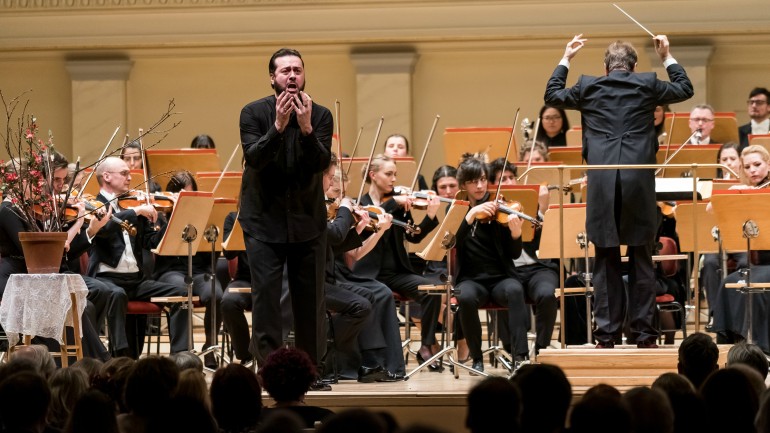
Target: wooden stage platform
439 399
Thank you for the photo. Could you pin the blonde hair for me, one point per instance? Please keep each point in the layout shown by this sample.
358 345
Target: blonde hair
754 148
538 146
375 166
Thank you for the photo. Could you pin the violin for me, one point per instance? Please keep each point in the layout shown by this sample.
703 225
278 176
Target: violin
505 208
421 198
161 201
92 205
375 211
667 208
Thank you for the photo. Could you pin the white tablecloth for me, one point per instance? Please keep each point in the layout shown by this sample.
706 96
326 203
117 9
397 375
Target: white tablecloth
37 304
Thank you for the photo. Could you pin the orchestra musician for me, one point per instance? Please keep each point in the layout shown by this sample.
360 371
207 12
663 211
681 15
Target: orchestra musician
397 146
730 319
759 112
388 262
485 254
701 124
286 141
132 154
553 126
117 257
621 205
540 152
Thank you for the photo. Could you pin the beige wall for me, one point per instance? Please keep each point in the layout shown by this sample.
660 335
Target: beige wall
474 76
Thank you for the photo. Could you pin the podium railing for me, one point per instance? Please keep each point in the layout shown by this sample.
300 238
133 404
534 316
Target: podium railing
561 168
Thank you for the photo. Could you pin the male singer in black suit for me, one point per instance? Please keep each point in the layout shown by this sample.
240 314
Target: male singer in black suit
286 140
617 118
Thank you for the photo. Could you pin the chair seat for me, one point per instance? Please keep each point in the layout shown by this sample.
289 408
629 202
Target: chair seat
143 307
664 299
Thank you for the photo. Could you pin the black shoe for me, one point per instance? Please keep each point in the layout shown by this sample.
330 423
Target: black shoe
210 361
371 374
330 379
647 344
478 365
434 367
319 385
391 377
605 345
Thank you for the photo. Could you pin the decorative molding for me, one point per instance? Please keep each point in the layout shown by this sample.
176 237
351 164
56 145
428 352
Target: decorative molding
99 70
384 62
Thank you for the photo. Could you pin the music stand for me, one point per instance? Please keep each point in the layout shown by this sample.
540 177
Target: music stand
230 187
489 141
162 163
213 235
725 127
440 244
709 241
690 153
743 219
574 229
190 211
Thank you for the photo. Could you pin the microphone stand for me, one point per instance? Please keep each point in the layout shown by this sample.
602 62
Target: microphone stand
681 146
188 235
211 234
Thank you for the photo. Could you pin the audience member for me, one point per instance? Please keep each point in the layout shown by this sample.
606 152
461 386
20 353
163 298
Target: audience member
192 385
600 411
93 412
66 386
546 396
193 416
650 410
488 400
756 380
687 405
40 356
731 401
353 421
287 375
112 380
749 354
24 402
236 398
149 388
762 422
90 366
187 360
281 422
698 356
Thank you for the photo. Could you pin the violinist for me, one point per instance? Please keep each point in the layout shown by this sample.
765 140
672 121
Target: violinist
539 154
131 153
379 357
538 278
729 155
173 269
485 253
12 262
388 262
730 321
397 146
117 260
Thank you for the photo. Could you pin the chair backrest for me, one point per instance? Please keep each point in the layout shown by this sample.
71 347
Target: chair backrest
668 246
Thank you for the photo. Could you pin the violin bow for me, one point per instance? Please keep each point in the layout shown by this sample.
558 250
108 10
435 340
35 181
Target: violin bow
353 154
224 170
424 152
507 152
369 162
144 167
98 161
531 150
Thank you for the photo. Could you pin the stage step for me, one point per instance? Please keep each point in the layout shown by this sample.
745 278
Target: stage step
624 366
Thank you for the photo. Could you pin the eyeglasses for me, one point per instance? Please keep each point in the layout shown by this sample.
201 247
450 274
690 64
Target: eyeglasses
756 102
132 158
701 119
123 173
551 118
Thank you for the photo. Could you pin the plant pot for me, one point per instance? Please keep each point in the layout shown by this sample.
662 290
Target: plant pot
43 251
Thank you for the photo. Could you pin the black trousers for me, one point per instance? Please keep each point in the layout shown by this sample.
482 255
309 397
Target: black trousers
405 284
125 287
350 312
305 265
609 305
202 289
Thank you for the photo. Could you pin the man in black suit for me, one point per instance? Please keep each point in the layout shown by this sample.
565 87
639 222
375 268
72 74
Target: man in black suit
617 118
759 111
286 140
116 260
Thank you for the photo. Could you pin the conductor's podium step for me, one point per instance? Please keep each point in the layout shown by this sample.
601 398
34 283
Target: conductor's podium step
624 366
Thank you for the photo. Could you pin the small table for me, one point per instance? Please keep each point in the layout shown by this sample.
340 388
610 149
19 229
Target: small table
39 305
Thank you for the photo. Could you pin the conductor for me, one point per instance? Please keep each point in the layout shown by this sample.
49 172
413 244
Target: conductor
617 112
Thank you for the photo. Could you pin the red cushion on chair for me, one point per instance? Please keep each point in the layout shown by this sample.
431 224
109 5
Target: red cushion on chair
663 299
143 307
669 267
